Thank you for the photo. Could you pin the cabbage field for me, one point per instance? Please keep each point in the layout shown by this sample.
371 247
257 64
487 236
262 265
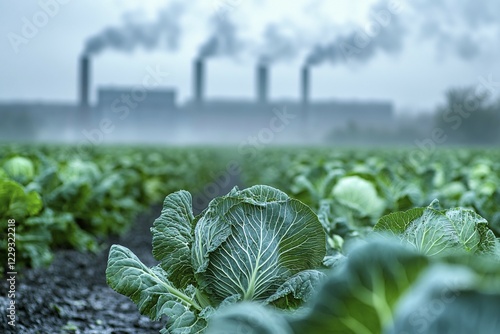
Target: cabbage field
283 240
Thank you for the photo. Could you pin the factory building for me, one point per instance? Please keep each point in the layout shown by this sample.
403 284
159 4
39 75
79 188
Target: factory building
140 115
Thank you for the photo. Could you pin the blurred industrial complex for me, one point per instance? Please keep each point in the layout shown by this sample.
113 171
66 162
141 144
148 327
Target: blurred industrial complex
142 114
457 97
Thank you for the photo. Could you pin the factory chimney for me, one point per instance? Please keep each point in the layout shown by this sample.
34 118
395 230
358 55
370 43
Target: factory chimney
262 83
84 81
304 87
199 81
83 117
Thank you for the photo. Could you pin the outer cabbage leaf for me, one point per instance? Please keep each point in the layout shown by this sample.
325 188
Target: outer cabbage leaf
248 318
173 236
362 298
297 289
16 203
456 298
251 241
433 231
398 222
470 312
333 261
153 293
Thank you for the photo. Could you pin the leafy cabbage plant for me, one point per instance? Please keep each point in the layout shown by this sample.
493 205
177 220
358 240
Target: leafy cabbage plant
360 195
32 240
20 169
434 231
256 244
385 287
359 297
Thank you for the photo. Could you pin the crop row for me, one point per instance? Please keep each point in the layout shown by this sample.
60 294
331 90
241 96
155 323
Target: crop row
355 241
64 197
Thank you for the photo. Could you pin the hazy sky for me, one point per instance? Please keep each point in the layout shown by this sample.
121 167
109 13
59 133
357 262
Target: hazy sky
426 48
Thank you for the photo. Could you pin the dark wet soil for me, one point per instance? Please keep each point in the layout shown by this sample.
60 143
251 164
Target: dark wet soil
71 296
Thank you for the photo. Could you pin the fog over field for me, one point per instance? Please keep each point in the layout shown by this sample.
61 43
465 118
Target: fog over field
250 166
399 58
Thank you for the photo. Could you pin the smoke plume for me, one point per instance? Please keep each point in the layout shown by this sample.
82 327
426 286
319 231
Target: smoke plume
462 28
223 41
280 42
164 32
384 33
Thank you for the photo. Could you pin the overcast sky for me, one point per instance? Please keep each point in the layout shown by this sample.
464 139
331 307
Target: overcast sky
425 49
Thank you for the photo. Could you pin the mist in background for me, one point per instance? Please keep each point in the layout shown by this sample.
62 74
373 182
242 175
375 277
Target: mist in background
385 72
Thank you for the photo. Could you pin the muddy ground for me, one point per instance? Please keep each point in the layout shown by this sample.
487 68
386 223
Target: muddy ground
71 296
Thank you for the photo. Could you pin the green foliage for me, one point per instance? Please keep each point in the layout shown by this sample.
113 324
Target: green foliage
440 232
396 180
258 261
359 195
64 196
19 169
259 232
255 244
361 298
385 287
248 318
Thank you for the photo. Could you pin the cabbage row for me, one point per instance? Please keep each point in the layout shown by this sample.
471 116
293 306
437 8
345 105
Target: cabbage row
334 241
258 261
397 247
61 196
353 188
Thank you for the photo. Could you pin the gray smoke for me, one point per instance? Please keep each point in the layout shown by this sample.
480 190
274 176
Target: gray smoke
465 33
223 41
457 27
164 32
280 42
384 33
468 12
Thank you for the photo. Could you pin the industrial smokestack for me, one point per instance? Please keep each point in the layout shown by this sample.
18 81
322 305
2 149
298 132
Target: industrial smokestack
199 81
304 86
262 83
84 82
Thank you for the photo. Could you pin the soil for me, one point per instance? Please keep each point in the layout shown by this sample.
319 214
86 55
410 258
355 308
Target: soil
71 296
